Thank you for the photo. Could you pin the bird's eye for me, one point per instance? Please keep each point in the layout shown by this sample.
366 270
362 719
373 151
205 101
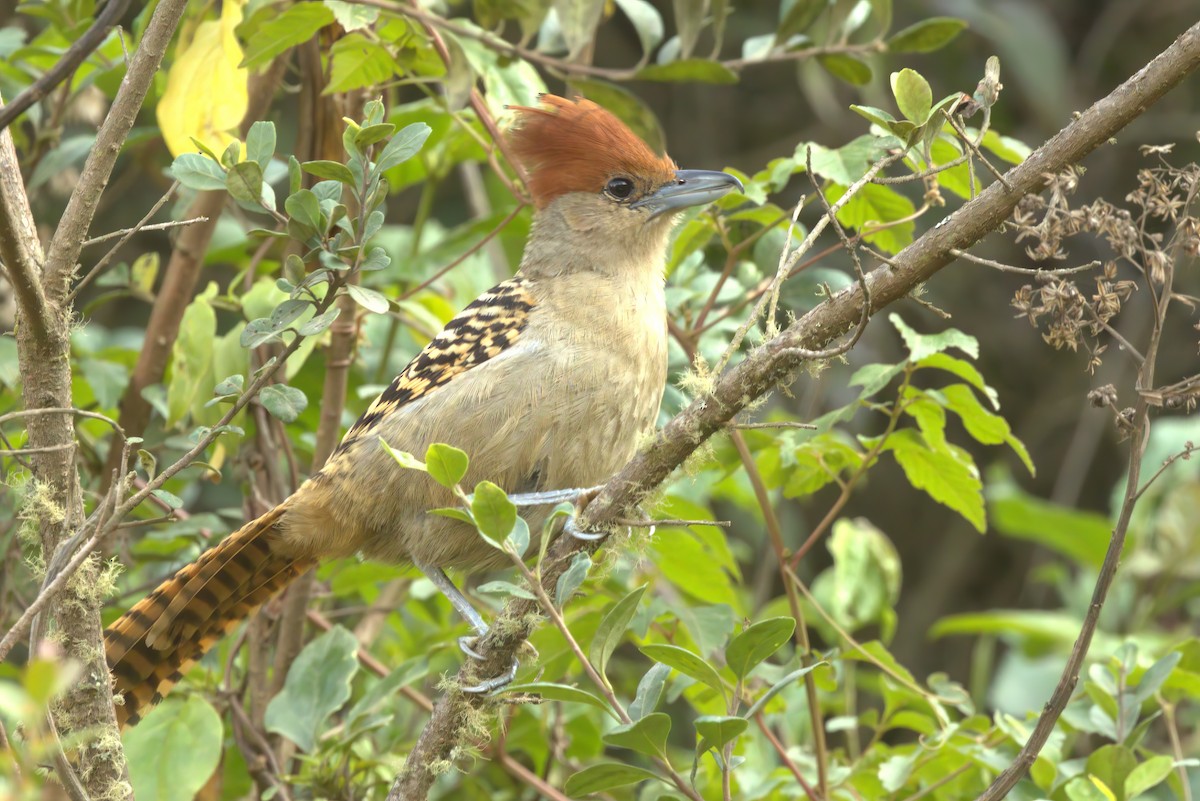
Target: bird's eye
619 188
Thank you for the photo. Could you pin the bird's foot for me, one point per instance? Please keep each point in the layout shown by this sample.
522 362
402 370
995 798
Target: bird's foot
579 496
467 645
472 616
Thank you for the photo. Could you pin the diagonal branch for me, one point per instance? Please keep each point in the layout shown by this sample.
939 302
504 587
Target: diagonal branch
81 208
20 249
774 361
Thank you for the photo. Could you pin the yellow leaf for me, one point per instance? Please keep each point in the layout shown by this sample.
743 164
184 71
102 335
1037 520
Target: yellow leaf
206 94
1103 788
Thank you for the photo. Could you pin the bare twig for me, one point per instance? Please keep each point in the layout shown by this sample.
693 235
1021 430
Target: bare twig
67 63
1010 268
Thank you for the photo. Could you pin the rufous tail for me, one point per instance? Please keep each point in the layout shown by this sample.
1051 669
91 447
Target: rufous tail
153 644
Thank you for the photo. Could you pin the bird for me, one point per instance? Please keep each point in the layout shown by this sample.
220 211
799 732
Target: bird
548 381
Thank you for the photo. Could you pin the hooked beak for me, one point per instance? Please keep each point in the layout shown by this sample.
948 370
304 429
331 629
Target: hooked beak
691 188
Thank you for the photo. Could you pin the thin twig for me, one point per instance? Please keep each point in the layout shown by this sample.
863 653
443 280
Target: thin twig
125 236
1010 268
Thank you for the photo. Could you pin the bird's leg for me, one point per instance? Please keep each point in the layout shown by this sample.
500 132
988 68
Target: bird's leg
553 496
469 614
575 495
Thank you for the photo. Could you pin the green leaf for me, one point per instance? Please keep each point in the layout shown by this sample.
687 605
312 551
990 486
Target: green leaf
446 464
495 515
260 143
927 35
716 730
305 208
245 182
368 298
70 151
895 770
283 401
1148 774
798 17
754 645
1112 765
1155 675
913 96
365 137
863 585
385 690
691 69
352 16
647 735
377 259
317 685
848 68
329 170
286 30
964 370
778 687
175 750
874 377
872 205
846 164
985 427
403 146
649 691
560 692
876 115
605 776
686 663
506 588
572 577
198 172
319 323
357 62
947 477
172 500
612 628
517 541
922 345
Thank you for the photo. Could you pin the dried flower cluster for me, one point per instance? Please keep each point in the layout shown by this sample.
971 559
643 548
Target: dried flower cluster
1146 240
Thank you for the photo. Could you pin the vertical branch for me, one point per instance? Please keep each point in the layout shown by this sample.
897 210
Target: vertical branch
179 282
43 350
20 249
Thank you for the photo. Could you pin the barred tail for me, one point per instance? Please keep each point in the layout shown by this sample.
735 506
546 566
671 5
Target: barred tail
151 646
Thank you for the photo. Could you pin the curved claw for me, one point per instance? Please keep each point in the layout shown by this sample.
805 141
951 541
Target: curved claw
586 536
466 644
503 680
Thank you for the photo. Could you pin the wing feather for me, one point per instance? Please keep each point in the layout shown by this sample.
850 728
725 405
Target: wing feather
490 325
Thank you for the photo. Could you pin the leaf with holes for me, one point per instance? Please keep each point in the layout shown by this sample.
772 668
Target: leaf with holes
283 401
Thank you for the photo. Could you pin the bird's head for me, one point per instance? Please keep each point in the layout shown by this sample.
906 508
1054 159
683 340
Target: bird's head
592 177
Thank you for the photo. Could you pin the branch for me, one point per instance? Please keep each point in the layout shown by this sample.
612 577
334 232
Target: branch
20 249
72 228
179 282
66 65
767 365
